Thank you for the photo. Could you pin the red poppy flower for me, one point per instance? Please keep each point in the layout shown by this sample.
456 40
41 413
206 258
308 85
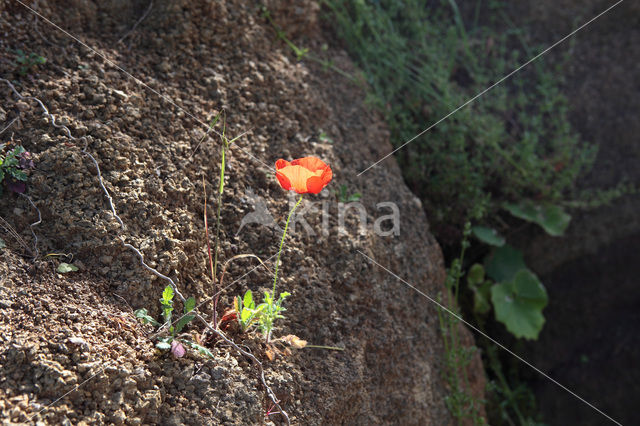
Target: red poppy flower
308 175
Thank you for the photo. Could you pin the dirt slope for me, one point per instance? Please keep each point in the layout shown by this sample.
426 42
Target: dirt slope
60 331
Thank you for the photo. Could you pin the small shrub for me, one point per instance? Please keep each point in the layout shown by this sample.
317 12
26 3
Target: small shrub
25 64
14 166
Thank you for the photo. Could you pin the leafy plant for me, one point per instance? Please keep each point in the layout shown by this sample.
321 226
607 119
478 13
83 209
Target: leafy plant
271 312
515 293
303 52
460 401
27 63
511 145
344 197
171 339
324 137
13 167
246 310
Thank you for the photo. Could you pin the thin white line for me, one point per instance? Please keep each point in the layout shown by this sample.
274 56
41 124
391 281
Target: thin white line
444 308
75 388
489 88
137 80
9 125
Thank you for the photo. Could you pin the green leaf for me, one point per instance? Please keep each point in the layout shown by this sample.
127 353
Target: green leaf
167 295
475 276
355 197
2 244
143 314
518 304
504 262
284 295
222 166
184 320
18 174
488 236
201 349
481 297
245 315
63 268
189 305
248 300
163 346
553 219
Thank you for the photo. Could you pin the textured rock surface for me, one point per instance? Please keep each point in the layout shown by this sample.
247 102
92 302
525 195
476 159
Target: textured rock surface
78 329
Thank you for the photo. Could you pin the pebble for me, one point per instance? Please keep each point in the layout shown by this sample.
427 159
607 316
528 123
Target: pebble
119 94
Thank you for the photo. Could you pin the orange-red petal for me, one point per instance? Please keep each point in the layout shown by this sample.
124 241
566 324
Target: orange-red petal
303 175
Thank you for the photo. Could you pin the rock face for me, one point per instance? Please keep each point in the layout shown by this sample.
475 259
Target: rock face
189 60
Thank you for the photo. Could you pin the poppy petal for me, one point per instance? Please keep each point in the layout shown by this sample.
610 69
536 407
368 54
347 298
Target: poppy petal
281 164
312 164
327 175
285 183
314 184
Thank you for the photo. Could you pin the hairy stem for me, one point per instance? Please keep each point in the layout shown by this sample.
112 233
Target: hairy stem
284 234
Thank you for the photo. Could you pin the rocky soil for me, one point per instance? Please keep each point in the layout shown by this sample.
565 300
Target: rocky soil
72 351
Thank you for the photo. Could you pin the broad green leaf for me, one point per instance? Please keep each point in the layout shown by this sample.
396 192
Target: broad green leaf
503 263
488 236
245 315
63 268
518 304
189 305
143 314
184 320
553 219
248 300
475 276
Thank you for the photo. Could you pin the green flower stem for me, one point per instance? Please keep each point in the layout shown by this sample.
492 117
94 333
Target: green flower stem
284 234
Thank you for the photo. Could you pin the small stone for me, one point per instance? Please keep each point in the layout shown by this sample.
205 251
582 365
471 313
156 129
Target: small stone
79 341
164 66
99 98
22 106
119 94
119 417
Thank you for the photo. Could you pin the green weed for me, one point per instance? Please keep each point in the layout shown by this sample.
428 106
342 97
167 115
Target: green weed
344 197
461 403
169 332
14 166
511 145
26 64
